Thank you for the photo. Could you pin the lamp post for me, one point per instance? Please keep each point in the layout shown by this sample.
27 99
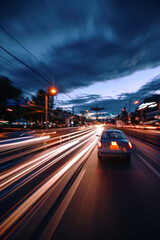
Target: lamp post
136 102
51 91
87 111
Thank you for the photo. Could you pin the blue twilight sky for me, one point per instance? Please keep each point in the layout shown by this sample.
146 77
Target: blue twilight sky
98 52
130 84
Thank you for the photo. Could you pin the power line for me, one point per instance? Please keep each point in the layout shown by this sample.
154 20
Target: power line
37 60
39 74
19 60
9 63
26 65
27 50
30 53
19 85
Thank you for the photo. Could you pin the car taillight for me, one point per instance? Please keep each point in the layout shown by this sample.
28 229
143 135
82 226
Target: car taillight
114 143
114 146
130 144
99 145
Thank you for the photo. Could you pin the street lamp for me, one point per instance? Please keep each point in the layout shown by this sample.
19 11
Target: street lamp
136 102
87 111
51 91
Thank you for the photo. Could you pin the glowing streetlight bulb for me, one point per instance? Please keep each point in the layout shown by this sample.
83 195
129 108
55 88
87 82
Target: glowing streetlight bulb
53 91
136 102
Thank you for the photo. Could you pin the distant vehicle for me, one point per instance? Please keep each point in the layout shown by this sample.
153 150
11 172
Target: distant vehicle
113 143
119 123
20 122
3 123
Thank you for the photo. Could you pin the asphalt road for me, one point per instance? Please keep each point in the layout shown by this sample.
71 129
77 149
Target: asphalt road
114 200
70 194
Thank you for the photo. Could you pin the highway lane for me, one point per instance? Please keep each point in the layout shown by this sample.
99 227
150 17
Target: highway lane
17 133
114 200
102 199
29 179
148 153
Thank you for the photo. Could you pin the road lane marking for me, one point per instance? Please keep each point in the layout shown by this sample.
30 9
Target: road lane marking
146 151
148 165
51 227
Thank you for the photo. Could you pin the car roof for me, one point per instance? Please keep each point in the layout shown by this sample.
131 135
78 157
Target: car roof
113 130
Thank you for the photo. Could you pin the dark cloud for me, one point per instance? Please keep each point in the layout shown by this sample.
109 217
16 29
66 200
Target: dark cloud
80 100
81 41
115 105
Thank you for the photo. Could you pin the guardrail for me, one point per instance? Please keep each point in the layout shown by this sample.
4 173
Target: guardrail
145 136
48 142
142 127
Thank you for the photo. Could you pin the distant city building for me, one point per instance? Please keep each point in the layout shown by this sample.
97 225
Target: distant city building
149 109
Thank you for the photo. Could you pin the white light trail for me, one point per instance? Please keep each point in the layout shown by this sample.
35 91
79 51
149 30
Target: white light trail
47 165
14 139
31 166
14 174
22 143
28 203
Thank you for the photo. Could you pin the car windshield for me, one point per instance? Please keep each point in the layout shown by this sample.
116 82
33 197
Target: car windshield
113 135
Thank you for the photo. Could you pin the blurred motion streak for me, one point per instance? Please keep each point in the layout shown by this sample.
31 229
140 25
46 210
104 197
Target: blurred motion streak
51 143
14 139
35 163
13 175
8 146
28 203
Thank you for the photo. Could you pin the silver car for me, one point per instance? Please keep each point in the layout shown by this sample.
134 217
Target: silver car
114 143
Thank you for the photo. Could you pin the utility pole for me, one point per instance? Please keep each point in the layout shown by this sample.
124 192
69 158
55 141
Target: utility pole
97 109
130 105
51 91
46 110
142 115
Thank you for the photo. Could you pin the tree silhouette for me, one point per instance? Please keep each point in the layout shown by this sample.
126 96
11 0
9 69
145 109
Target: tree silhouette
7 91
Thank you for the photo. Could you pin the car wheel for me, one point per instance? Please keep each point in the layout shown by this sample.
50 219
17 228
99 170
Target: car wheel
99 157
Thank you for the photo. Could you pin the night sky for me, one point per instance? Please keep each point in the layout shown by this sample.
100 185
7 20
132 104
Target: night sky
104 52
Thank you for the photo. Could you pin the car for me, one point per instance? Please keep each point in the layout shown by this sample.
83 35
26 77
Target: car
114 143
